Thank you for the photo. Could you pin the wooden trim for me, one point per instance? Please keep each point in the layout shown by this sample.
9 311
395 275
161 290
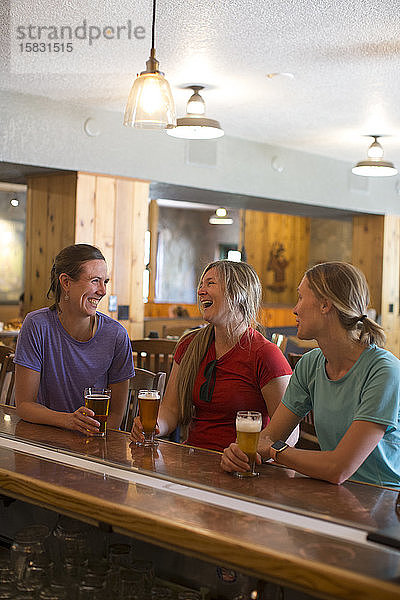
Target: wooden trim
261 561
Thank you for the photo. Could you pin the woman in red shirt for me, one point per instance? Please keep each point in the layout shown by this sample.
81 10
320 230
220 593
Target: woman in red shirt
224 367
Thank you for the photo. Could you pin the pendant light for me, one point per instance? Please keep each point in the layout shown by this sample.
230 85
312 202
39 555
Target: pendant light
150 104
195 125
374 165
220 217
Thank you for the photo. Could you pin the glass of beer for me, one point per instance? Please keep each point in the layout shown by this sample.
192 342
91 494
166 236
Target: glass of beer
99 402
149 401
248 427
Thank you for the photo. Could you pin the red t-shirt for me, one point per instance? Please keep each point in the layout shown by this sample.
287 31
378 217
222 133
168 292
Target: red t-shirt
241 373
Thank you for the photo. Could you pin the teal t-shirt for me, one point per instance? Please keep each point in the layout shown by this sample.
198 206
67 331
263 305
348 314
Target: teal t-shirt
370 391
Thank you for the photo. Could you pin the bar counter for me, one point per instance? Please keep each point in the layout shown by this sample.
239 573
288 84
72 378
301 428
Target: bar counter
302 533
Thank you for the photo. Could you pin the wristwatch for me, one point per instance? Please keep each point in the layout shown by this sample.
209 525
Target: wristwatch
278 447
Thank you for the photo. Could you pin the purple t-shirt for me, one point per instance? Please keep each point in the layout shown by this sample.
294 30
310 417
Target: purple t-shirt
67 366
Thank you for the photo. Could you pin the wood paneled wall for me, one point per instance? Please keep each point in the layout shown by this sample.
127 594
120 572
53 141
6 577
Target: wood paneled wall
391 283
270 316
376 251
108 212
50 225
165 309
112 214
261 231
368 233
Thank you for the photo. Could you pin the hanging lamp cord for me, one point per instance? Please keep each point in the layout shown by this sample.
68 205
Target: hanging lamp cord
153 25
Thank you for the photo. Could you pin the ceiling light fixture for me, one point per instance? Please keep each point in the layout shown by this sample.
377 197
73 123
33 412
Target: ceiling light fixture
195 125
374 165
220 217
150 104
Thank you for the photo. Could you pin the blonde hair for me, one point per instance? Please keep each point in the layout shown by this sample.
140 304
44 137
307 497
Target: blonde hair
243 294
346 287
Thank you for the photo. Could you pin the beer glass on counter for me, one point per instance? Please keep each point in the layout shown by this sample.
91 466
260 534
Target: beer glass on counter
248 427
98 401
149 402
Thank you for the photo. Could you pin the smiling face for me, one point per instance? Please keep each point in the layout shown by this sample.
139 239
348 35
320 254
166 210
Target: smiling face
86 292
212 300
309 312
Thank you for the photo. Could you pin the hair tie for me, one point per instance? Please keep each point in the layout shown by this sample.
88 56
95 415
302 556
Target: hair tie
362 318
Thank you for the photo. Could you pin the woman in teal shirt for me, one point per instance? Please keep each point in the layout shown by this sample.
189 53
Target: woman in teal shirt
350 382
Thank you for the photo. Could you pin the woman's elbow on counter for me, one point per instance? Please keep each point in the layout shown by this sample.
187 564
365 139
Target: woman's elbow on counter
337 474
21 409
18 408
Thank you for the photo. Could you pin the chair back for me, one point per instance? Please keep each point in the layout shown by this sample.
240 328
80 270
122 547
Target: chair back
7 380
175 331
154 354
4 352
308 438
143 380
280 340
293 358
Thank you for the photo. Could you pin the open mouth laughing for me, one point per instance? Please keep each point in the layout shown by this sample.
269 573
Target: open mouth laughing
94 301
206 303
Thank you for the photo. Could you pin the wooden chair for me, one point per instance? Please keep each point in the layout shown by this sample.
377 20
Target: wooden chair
4 352
143 380
280 340
308 439
293 358
154 354
7 380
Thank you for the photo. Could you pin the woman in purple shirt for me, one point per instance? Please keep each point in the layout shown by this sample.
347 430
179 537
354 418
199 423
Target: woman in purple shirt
70 346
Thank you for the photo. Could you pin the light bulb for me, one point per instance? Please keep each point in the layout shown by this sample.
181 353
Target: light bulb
151 96
221 212
375 150
196 105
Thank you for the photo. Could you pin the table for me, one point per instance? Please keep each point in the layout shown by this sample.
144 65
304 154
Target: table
283 527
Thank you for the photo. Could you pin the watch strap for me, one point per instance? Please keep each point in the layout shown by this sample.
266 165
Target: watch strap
274 451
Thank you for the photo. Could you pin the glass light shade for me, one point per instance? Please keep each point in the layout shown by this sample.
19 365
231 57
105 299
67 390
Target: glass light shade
195 125
374 165
150 104
371 168
220 221
220 217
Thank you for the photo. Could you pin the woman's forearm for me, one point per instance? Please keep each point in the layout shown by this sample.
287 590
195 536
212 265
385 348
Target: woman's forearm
37 413
167 420
314 463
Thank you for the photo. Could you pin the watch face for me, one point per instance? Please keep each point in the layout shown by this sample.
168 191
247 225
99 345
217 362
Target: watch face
279 445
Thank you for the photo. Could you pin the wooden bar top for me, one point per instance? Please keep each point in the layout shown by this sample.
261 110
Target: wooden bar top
318 563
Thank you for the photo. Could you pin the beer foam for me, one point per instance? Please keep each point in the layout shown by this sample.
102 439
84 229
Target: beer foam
149 395
248 425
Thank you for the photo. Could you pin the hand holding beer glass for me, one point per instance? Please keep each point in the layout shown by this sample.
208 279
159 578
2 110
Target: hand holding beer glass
248 427
98 401
149 402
